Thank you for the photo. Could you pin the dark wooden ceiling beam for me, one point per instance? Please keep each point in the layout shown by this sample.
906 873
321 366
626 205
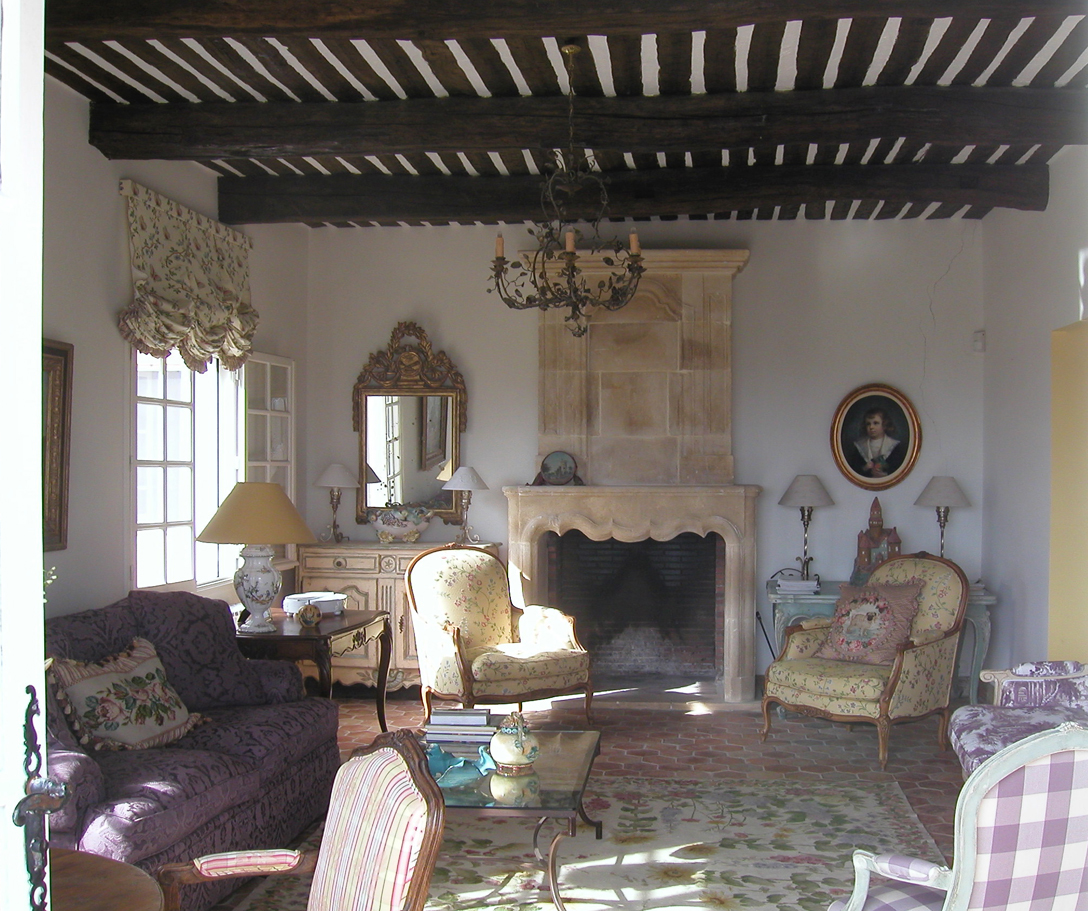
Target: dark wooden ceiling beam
211 130
634 194
81 20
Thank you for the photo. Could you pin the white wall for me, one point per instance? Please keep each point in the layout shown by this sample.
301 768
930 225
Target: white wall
86 283
1034 278
822 308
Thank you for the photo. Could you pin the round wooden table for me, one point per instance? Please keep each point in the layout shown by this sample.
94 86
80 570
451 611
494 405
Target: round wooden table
87 882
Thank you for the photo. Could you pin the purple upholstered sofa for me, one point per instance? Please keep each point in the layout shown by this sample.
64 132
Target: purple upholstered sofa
255 774
1028 698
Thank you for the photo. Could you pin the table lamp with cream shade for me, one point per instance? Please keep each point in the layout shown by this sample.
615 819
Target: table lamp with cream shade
339 478
805 492
259 515
942 493
466 479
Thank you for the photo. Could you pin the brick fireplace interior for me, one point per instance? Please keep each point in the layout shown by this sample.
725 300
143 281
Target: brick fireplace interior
643 608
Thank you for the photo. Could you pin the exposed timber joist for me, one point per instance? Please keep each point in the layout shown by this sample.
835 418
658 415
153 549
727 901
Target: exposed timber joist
635 194
186 131
81 20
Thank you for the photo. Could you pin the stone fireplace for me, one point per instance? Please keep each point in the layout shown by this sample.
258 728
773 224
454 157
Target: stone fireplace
661 513
643 403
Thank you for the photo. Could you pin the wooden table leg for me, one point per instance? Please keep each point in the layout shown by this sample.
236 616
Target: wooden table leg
385 649
323 660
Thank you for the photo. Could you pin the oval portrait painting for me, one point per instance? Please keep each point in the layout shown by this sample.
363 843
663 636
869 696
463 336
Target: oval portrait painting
875 436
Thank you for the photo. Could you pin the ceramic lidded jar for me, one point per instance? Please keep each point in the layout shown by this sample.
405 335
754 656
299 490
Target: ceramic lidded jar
514 747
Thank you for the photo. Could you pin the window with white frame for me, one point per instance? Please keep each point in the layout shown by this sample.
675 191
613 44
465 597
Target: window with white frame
189 453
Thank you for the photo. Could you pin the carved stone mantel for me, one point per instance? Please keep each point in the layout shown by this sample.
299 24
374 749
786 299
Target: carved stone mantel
658 512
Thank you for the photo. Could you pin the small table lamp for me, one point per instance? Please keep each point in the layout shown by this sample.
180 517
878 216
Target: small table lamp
806 491
468 480
942 492
257 514
338 478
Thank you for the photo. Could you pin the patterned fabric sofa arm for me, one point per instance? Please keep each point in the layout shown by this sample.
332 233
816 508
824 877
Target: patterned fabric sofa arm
281 681
1039 683
86 784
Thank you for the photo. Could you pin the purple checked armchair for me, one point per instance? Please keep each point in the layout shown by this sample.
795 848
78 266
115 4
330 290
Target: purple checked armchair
1020 838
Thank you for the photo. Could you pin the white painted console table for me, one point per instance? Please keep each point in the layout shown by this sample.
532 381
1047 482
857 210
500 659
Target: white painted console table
790 608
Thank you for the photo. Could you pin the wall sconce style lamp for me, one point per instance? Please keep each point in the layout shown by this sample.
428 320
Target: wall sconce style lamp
942 493
805 492
468 480
257 514
339 478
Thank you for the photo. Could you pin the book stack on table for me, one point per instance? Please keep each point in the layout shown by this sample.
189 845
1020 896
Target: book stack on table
460 726
794 586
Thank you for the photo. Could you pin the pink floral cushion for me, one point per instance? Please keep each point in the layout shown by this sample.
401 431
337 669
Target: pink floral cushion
870 623
123 701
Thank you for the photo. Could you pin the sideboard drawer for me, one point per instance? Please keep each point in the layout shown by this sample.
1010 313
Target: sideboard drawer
357 562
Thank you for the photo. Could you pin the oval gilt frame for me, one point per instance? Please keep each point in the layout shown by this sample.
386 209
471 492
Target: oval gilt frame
870 461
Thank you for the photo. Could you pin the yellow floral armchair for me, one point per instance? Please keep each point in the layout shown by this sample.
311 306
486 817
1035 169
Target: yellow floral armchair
475 647
918 681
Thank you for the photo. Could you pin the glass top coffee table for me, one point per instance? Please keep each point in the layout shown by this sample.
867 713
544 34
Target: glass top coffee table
553 790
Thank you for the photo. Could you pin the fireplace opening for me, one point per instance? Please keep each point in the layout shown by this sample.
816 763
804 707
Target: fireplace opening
644 608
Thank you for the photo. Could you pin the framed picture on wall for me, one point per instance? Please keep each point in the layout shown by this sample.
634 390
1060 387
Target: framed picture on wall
56 423
875 436
432 439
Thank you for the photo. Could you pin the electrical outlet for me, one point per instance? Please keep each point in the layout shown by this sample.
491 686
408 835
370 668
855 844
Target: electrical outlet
978 341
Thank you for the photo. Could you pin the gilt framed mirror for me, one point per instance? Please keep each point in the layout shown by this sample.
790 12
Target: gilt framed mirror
409 407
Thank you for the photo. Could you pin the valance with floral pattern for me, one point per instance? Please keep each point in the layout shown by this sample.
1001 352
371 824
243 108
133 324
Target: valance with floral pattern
190 283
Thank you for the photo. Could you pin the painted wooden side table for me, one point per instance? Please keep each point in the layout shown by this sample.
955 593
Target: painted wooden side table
790 608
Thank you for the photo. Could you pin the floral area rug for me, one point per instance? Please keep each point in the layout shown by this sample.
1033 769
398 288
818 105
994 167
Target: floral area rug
734 846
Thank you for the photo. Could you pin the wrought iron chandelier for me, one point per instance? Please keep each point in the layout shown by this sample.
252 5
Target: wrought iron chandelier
552 278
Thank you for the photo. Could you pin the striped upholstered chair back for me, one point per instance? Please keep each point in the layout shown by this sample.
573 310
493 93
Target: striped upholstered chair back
382 833
379 847
1021 838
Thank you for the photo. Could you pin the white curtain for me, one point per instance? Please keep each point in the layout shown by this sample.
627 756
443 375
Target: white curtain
190 283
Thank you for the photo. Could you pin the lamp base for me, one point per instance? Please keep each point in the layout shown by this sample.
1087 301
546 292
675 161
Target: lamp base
257 582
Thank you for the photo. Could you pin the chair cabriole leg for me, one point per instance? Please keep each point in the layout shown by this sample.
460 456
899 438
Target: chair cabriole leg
766 720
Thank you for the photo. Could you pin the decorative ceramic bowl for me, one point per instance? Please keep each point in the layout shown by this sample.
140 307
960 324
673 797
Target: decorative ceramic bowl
399 523
514 747
326 602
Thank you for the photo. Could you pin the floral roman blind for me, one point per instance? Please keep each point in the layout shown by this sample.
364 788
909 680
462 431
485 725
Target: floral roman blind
190 283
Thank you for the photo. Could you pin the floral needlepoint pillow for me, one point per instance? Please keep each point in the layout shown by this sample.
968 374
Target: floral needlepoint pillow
871 623
122 702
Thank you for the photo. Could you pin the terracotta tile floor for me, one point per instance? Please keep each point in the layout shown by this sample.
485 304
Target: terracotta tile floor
652 737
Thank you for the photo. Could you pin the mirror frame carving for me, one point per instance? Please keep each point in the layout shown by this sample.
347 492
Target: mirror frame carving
404 368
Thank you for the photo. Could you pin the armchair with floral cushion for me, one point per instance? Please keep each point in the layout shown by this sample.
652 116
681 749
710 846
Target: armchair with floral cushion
475 647
887 656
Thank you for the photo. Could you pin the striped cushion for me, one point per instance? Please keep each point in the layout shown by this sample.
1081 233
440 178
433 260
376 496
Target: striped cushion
372 836
1033 837
248 863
